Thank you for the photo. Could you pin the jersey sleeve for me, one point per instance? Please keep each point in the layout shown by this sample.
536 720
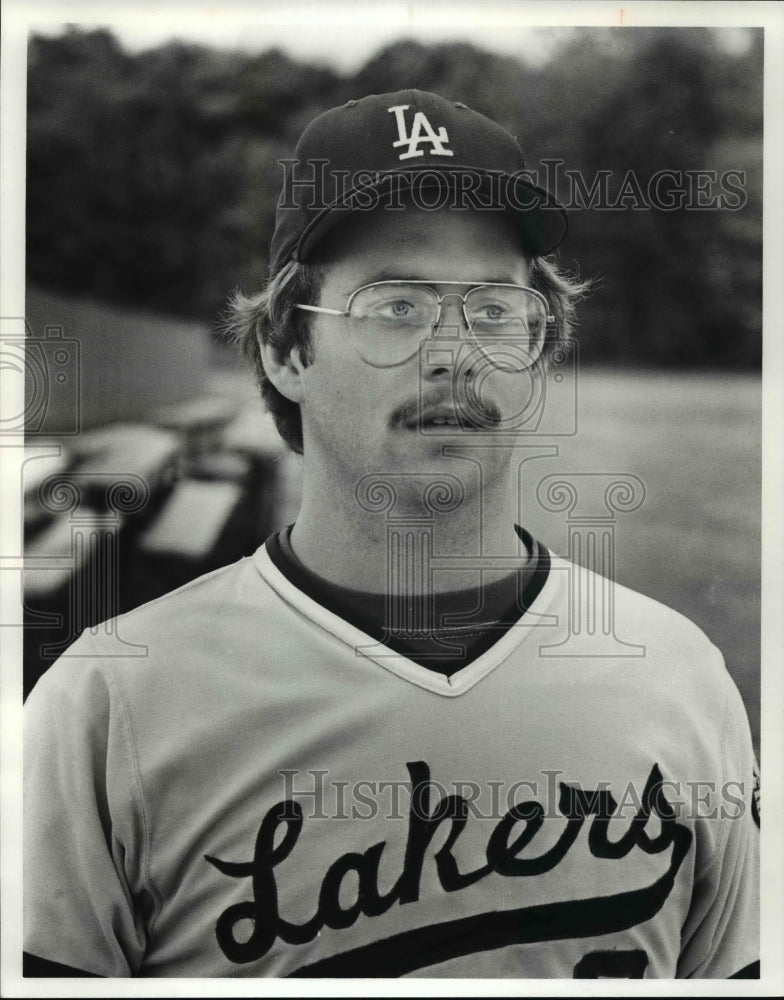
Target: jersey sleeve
721 935
83 825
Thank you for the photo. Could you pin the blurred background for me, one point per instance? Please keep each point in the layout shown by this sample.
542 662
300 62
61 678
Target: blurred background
152 176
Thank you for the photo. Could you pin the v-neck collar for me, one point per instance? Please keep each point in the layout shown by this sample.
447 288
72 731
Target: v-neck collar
371 648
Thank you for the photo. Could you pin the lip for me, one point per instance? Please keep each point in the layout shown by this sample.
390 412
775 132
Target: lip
441 413
434 416
447 419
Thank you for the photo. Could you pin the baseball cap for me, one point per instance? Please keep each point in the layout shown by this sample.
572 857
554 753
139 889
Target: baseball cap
367 152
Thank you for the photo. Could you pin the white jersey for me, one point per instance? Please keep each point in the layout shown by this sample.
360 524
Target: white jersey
269 792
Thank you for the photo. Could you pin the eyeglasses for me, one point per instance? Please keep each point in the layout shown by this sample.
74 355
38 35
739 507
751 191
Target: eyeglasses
390 318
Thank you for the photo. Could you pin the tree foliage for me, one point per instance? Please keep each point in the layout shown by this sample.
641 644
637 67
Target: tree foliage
152 178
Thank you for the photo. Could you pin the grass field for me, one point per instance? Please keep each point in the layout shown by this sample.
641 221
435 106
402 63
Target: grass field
694 544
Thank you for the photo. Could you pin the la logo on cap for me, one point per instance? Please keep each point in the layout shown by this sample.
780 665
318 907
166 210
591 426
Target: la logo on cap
421 131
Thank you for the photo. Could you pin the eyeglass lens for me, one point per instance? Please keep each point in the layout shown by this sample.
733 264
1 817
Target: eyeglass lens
391 318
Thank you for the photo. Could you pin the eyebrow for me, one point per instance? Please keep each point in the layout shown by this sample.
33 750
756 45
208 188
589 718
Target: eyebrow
387 275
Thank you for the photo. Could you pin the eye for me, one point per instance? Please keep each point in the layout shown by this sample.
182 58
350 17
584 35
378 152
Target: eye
398 307
491 314
505 312
494 311
398 311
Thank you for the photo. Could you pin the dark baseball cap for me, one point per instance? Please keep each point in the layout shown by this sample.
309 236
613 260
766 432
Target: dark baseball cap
366 153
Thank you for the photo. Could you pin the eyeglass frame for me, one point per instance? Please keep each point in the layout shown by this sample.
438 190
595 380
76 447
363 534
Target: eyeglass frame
549 318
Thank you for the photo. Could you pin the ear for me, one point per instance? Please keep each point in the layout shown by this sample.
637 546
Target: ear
283 370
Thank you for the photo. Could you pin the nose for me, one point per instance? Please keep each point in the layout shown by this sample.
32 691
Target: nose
451 320
444 352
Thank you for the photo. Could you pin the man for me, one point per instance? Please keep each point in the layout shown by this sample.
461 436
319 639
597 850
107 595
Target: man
369 749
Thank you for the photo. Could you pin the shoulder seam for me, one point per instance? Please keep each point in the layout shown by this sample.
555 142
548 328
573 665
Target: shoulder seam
191 585
723 820
133 763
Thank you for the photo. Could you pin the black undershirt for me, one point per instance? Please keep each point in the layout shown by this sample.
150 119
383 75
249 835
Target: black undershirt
464 623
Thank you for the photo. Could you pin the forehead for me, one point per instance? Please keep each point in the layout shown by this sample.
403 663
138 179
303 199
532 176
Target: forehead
414 242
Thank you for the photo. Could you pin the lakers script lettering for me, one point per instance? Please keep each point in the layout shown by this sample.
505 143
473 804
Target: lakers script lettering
436 943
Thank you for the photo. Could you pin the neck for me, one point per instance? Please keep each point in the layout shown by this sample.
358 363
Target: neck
410 533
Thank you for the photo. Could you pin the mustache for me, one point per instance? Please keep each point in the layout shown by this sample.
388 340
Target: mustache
472 411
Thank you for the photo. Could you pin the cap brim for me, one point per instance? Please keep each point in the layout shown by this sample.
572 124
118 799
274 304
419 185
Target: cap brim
541 221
